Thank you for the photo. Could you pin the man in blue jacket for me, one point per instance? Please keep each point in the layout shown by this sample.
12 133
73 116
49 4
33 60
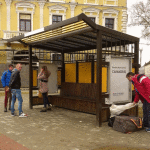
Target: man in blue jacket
5 79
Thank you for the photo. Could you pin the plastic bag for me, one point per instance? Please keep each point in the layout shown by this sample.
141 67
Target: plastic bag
118 109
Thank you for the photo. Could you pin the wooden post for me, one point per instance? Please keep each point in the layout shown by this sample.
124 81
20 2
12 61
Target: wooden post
136 62
136 57
63 69
99 80
30 78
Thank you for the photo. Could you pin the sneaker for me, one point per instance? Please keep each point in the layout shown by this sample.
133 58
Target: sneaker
148 130
13 114
23 115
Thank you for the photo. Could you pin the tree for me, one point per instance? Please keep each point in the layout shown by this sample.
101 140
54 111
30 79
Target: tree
140 16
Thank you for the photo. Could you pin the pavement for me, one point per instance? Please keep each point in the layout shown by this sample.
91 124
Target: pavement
62 129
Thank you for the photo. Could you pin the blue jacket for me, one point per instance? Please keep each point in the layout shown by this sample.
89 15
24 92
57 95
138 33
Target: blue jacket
5 79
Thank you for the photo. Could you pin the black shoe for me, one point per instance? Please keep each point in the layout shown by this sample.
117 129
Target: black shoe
5 110
44 110
49 108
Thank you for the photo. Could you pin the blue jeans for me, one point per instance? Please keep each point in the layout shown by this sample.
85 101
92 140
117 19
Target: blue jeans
146 114
16 93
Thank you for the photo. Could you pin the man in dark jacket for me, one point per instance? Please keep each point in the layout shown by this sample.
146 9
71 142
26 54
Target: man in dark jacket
15 84
5 79
142 92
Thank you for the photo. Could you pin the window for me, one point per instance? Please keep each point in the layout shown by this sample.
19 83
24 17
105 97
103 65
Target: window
25 22
57 59
92 18
89 57
56 19
109 23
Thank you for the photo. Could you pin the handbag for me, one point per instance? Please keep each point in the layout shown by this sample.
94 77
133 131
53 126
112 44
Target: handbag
40 94
127 124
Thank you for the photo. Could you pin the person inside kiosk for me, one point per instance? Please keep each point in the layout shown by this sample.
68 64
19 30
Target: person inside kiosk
142 92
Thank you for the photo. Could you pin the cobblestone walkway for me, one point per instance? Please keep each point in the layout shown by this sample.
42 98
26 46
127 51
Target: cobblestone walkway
62 129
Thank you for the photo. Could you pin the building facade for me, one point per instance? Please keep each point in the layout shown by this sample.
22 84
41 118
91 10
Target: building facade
17 17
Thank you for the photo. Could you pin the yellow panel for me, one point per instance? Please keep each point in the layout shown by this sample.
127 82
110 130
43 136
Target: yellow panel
59 77
104 77
85 72
70 73
133 70
34 77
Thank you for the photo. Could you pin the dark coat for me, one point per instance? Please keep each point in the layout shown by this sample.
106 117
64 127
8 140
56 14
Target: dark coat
15 82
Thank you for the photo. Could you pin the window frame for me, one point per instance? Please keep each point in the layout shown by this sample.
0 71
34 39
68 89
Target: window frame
25 22
57 18
113 22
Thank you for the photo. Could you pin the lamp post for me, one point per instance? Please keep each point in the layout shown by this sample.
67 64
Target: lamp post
141 56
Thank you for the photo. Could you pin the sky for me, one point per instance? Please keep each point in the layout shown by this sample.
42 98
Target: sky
136 31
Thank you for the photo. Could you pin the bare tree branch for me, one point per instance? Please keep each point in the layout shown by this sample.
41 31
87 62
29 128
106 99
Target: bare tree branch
140 16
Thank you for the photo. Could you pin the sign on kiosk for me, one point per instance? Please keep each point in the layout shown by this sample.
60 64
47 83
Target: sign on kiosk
119 88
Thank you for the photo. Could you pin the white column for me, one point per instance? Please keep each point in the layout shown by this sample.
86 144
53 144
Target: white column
72 6
41 5
124 20
8 3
